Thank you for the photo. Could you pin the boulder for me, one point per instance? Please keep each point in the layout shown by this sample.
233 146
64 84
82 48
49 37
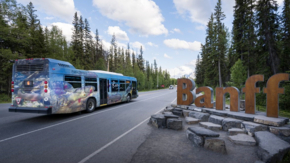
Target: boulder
197 135
210 126
270 121
176 112
158 120
242 116
173 105
243 139
216 119
190 120
167 113
173 123
281 131
215 112
168 109
235 131
251 127
216 145
229 123
183 106
271 148
201 116
191 107
186 113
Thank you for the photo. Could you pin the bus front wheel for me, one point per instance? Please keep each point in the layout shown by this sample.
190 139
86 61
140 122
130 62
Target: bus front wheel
91 105
128 98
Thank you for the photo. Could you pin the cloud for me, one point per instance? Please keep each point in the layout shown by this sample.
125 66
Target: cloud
167 56
152 44
198 11
49 18
106 45
67 29
143 17
120 34
192 63
200 27
137 45
180 71
63 9
280 2
176 30
181 44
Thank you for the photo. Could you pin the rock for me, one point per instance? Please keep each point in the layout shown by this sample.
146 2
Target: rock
242 116
203 132
173 123
168 113
178 112
216 145
235 131
251 127
173 105
158 120
168 109
281 131
271 148
229 123
215 112
243 139
216 119
270 121
201 116
191 107
195 139
171 116
210 125
190 120
183 106
185 113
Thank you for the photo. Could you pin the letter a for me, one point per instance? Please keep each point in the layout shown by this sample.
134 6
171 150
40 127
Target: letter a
273 92
250 91
184 88
208 97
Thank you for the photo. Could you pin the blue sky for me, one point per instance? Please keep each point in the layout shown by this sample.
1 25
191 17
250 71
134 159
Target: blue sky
170 31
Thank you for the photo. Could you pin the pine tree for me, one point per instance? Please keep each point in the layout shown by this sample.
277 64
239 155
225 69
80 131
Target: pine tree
89 56
140 60
74 40
285 57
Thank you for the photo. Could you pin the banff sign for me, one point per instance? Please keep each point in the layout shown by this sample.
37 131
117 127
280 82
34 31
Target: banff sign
272 90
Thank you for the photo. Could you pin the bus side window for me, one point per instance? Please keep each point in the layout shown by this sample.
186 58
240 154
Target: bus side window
122 85
75 81
115 85
91 82
127 83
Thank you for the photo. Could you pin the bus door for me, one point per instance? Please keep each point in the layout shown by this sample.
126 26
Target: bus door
103 91
134 90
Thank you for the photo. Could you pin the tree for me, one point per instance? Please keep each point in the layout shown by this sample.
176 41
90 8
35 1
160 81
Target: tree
140 60
285 55
238 75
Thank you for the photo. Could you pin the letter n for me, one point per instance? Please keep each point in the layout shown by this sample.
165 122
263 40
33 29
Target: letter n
234 98
273 92
184 88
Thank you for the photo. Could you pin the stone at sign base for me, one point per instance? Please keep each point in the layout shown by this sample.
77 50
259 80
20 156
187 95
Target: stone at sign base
201 116
158 120
282 131
271 148
216 145
186 113
216 119
197 135
229 123
251 127
243 139
270 121
210 126
190 120
236 131
195 139
175 124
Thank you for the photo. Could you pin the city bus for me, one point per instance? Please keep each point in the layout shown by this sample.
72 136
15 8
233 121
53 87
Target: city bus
51 86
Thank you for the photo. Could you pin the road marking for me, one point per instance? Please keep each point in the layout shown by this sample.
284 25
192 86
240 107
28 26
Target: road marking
13 137
116 139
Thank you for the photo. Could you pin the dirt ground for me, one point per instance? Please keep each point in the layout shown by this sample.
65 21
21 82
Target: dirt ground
170 146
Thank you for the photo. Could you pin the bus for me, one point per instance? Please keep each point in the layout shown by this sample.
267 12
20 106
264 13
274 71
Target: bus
51 86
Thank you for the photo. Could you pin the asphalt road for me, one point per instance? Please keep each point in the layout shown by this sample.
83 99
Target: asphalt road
110 134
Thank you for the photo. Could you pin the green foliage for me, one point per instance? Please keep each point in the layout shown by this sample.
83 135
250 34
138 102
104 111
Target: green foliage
238 75
4 98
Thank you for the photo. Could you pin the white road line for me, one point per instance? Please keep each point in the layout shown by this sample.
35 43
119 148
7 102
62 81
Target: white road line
13 137
119 137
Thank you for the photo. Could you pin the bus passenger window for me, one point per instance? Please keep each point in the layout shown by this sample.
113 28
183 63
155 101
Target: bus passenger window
75 81
91 82
127 83
122 85
115 85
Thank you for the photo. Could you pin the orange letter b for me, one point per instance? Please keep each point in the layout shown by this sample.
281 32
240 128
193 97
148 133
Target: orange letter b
184 94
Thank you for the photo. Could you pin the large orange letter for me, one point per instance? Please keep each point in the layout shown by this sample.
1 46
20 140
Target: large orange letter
273 92
184 94
208 97
250 91
234 98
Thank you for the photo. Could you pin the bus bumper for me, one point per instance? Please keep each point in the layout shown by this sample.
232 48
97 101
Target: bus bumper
30 110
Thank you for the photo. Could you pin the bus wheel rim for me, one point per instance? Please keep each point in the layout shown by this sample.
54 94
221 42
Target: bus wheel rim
91 105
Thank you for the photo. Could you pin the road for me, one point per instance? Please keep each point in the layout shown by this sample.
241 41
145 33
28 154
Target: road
109 134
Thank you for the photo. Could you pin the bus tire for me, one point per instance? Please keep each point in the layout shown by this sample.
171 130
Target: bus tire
91 105
128 98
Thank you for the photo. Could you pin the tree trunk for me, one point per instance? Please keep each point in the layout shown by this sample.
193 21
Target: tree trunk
220 75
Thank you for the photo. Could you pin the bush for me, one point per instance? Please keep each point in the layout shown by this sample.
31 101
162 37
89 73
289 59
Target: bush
4 98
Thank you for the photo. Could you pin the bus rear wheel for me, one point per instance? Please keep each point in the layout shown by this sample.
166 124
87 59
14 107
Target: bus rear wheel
128 98
91 105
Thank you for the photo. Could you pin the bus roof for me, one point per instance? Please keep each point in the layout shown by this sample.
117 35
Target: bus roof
106 72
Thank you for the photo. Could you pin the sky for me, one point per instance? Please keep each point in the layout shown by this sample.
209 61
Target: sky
170 31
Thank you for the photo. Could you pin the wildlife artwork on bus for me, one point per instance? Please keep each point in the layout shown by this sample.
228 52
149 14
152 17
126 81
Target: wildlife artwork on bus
56 87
